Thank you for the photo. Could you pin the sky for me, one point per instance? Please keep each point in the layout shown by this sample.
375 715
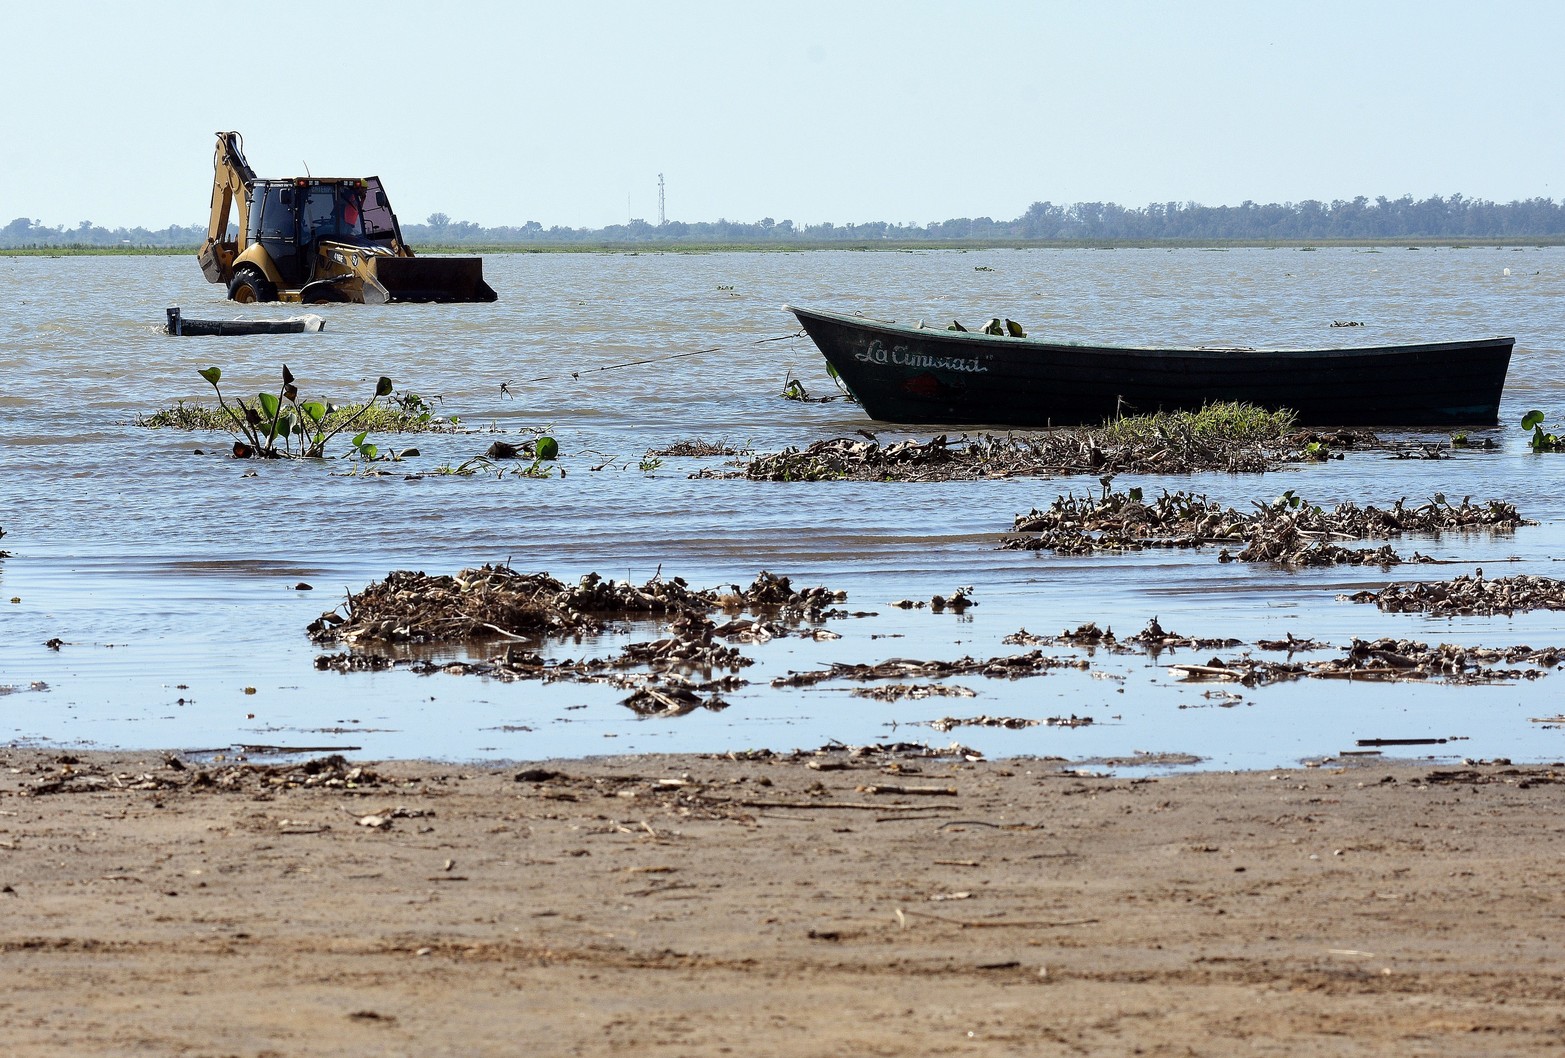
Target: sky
849 111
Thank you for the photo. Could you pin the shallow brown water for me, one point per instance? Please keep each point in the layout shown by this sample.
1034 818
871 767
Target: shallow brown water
168 576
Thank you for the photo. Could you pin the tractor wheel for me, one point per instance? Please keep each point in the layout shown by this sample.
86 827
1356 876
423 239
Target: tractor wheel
249 286
323 292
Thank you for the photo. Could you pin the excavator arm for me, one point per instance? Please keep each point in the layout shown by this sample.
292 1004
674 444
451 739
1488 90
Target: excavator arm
232 178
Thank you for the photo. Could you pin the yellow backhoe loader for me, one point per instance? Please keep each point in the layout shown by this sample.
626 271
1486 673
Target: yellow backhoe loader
314 240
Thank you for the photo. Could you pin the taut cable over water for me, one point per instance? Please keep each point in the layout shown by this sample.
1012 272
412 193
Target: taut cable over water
505 387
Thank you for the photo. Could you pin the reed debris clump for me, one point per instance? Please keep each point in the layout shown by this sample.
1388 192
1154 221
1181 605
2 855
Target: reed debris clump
1469 596
1009 667
1010 723
496 600
1388 659
1234 438
1287 531
1153 639
694 448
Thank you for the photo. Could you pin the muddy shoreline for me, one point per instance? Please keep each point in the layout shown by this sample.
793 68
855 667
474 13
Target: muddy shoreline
792 904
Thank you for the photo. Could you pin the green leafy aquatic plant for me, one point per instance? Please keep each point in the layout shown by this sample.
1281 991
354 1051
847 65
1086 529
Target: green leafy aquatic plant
1542 440
543 449
401 413
416 413
279 425
793 389
538 468
366 452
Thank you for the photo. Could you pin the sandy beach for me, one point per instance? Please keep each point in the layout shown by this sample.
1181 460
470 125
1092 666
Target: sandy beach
827 903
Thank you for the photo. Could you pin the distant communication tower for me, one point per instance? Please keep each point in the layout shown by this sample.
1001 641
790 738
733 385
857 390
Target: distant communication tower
661 218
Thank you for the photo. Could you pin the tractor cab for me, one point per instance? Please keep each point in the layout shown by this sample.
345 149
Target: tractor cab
291 219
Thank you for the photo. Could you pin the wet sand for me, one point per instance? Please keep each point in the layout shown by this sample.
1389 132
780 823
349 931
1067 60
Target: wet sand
789 905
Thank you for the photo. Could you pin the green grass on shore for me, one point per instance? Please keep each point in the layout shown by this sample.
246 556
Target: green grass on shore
886 245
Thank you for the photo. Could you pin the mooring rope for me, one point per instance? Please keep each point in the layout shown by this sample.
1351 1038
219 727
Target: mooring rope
505 387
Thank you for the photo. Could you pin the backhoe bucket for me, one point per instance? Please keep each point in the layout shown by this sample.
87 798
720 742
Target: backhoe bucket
443 279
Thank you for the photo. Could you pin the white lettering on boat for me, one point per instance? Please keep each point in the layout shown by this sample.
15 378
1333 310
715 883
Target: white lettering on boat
902 356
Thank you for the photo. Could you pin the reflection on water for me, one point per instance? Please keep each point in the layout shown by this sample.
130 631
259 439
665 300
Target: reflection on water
171 577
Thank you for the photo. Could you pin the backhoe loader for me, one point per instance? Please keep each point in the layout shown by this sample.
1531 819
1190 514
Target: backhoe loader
313 240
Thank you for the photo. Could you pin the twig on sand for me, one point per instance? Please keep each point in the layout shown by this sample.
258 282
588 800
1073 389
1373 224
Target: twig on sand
929 791
833 804
967 924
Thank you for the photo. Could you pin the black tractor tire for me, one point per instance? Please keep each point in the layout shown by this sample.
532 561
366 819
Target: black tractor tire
323 292
249 286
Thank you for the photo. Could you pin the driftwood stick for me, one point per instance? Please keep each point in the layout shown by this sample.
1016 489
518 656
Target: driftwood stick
1210 672
1353 674
496 629
931 791
864 805
966 924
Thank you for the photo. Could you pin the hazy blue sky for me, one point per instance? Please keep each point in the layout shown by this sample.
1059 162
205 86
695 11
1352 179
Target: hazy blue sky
904 111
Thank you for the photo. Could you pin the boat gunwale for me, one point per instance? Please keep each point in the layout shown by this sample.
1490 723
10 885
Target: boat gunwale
966 337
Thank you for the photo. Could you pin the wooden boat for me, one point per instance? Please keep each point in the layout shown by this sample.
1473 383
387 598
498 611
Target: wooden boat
179 324
908 374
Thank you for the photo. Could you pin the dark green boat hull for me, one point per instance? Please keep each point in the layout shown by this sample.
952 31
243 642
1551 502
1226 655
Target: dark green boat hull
906 374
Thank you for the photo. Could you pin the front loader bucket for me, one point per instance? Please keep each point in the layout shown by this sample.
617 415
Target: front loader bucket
446 279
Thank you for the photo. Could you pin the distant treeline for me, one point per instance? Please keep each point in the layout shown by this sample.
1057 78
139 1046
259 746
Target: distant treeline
23 233
1455 217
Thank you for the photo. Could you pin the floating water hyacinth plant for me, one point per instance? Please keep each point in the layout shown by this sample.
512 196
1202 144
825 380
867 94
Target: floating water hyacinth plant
280 425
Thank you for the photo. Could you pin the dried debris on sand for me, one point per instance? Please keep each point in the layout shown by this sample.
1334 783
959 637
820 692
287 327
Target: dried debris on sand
1469 596
1287 531
70 774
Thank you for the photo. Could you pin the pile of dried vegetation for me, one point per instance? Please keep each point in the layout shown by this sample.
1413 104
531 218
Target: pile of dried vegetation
1008 667
664 676
1287 531
1389 659
1226 437
497 601
1152 639
694 448
1469 596
68 774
